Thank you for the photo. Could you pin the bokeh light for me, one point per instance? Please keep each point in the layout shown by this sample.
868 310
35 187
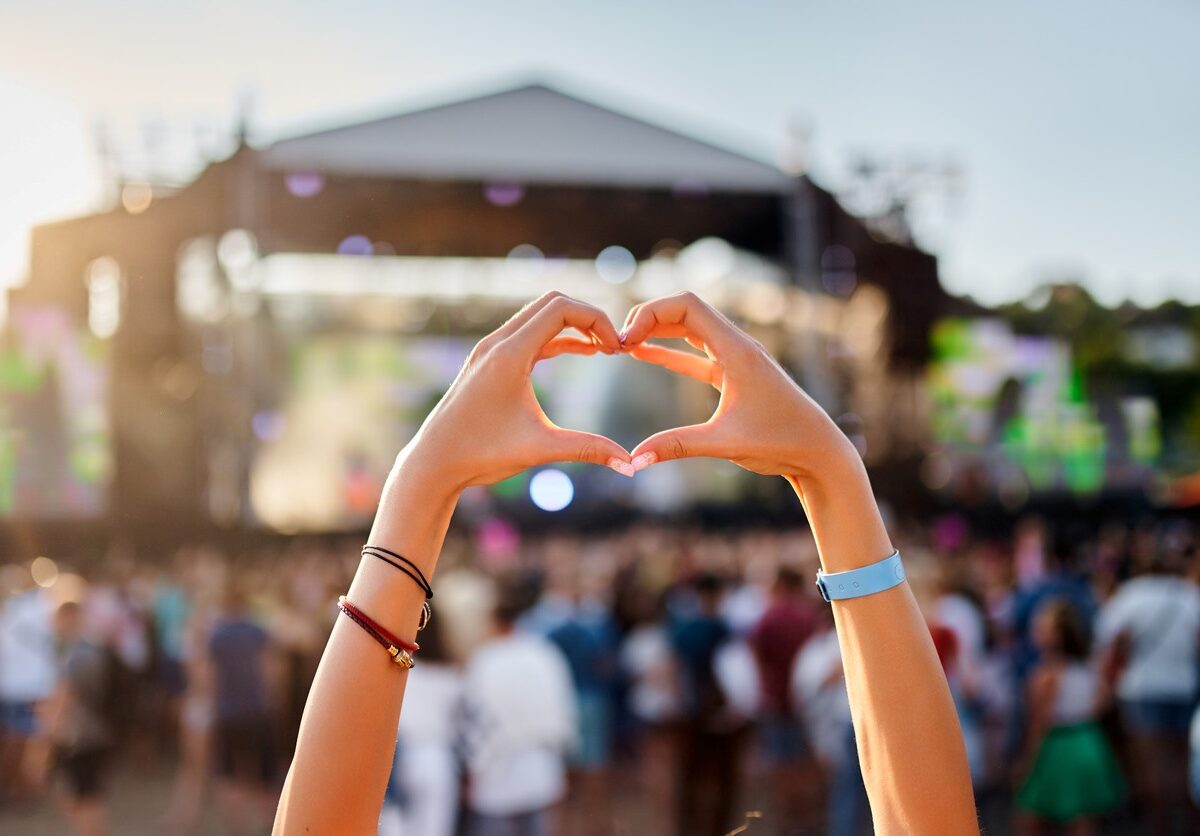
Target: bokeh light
304 183
551 490
237 250
69 587
44 572
504 194
136 197
707 260
104 297
525 252
616 265
269 425
838 270
356 245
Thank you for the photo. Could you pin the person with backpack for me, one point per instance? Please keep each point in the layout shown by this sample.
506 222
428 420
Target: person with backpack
79 728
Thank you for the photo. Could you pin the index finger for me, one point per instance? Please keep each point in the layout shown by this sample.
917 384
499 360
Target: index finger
681 315
565 312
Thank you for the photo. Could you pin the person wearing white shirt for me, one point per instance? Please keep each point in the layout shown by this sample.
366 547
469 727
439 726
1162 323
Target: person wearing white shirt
425 775
818 688
520 725
27 676
1151 632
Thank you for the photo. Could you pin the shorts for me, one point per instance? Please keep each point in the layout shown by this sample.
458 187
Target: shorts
595 731
84 771
783 740
171 676
536 823
246 750
1156 716
19 718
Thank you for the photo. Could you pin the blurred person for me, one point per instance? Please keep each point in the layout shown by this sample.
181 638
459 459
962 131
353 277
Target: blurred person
196 718
710 733
654 700
238 649
170 607
748 597
298 618
957 611
423 792
776 639
818 691
114 615
994 701
1149 633
1061 579
79 722
27 673
489 426
1069 775
586 635
520 726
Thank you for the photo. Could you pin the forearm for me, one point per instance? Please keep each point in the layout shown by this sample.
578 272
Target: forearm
348 731
909 740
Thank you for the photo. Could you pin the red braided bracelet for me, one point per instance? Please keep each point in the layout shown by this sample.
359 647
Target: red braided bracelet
400 651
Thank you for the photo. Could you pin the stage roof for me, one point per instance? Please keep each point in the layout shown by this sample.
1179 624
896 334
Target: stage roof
531 134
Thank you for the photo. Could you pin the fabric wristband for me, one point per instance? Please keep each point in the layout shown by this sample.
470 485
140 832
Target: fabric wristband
866 580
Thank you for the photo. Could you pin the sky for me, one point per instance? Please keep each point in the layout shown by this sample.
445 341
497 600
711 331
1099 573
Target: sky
1075 123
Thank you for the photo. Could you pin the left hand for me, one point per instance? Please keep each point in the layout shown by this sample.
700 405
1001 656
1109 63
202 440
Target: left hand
489 425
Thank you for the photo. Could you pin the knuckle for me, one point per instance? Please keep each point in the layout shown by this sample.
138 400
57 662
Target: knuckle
483 347
743 351
478 353
559 304
676 448
587 451
505 352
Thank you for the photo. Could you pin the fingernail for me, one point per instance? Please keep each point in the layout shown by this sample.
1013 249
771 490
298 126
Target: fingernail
624 468
644 461
622 336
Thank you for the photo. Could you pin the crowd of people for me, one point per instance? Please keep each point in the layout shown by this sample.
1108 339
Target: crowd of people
651 680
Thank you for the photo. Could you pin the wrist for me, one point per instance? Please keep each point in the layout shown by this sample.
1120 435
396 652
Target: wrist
827 466
842 513
415 508
420 463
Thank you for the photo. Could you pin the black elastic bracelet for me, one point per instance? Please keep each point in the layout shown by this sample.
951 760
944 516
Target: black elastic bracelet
396 565
420 579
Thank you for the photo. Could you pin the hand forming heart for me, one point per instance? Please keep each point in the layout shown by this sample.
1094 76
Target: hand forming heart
490 425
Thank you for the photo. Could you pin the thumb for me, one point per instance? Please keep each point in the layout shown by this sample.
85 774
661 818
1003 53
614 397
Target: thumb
577 446
679 443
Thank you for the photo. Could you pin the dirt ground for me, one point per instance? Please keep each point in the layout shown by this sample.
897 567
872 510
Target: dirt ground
139 793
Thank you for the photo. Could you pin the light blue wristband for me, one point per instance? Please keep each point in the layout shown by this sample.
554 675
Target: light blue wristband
866 580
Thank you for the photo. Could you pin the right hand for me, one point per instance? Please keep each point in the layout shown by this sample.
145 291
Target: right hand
763 422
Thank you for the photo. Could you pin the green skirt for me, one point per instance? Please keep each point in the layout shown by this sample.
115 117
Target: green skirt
1074 774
